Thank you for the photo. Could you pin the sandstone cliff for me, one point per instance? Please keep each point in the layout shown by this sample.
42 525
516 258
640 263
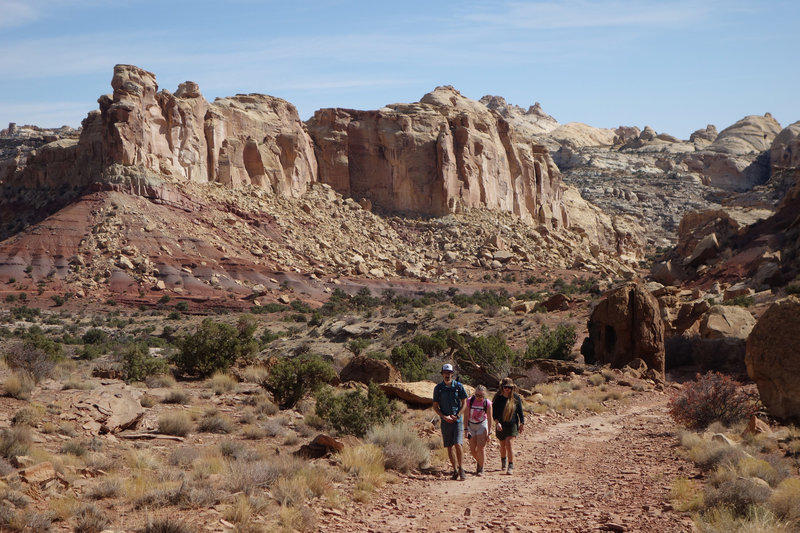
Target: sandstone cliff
442 155
243 140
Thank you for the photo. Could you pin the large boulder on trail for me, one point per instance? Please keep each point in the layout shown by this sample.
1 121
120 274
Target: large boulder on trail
366 369
773 358
625 325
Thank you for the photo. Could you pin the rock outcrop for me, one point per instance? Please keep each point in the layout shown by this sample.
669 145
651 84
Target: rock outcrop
442 155
624 326
368 370
773 360
141 133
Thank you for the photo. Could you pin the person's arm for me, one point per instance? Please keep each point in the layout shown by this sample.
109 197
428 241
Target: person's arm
489 417
497 422
520 414
462 409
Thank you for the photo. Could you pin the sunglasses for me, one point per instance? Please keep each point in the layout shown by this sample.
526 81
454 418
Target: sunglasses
508 386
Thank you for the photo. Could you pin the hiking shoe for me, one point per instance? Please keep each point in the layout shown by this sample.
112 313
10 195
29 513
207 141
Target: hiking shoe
479 471
455 475
461 476
502 463
510 470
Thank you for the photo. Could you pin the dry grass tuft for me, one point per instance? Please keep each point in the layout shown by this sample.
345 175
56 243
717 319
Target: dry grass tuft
27 416
255 374
176 423
221 383
403 450
15 441
157 381
216 423
106 488
785 501
686 495
178 397
90 519
18 386
261 474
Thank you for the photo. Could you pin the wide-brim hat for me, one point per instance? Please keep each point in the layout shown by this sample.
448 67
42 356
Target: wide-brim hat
507 382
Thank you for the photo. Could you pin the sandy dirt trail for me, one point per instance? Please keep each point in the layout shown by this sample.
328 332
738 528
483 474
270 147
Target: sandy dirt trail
606 472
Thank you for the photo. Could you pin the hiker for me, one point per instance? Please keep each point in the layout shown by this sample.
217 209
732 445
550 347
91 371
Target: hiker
509 421
449 402
479 408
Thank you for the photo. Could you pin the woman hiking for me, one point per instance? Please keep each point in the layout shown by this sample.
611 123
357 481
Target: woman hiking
480 413
509 421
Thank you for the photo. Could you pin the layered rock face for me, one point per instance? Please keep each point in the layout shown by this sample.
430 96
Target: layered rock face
442 155
773 360
243 140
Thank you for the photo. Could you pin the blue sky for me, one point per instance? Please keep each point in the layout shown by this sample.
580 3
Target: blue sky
675 65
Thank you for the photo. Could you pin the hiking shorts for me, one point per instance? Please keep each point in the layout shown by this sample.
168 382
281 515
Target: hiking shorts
453 433
509 430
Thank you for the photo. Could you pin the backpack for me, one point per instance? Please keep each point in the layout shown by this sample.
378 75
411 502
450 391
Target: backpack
485 404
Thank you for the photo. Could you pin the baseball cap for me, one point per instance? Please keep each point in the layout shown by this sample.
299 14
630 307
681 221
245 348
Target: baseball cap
447 367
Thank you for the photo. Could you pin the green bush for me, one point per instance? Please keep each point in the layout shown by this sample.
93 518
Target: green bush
182 306
793 288
493 353
354 413
741 300
94 336
138 364
712 397
556 344
291 378
410 360
214 346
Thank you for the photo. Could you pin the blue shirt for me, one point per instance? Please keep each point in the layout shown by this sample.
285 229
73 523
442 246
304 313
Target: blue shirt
449 398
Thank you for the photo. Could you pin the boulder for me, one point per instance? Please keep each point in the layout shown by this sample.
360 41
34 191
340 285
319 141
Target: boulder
723 321
321 446
773 358
625 325
114 408
366 369
557 302
418 393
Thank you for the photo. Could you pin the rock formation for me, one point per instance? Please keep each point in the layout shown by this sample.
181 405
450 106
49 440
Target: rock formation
442 155
141 133
773 360
624 326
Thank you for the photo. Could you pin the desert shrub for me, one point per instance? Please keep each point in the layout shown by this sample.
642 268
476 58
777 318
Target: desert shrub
356 346
738 495
556 344
160 380
25 357
24 312
18 386
74 447
411 361
106 488
138 364
214 347
90 519
248 477
686 495
94 336
291 378
15 441
403 450
167 525
793 288
177 396
221 383
353 412
492 352
175 423
27 416
710 398
483 298
741 300
215 423
785 501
